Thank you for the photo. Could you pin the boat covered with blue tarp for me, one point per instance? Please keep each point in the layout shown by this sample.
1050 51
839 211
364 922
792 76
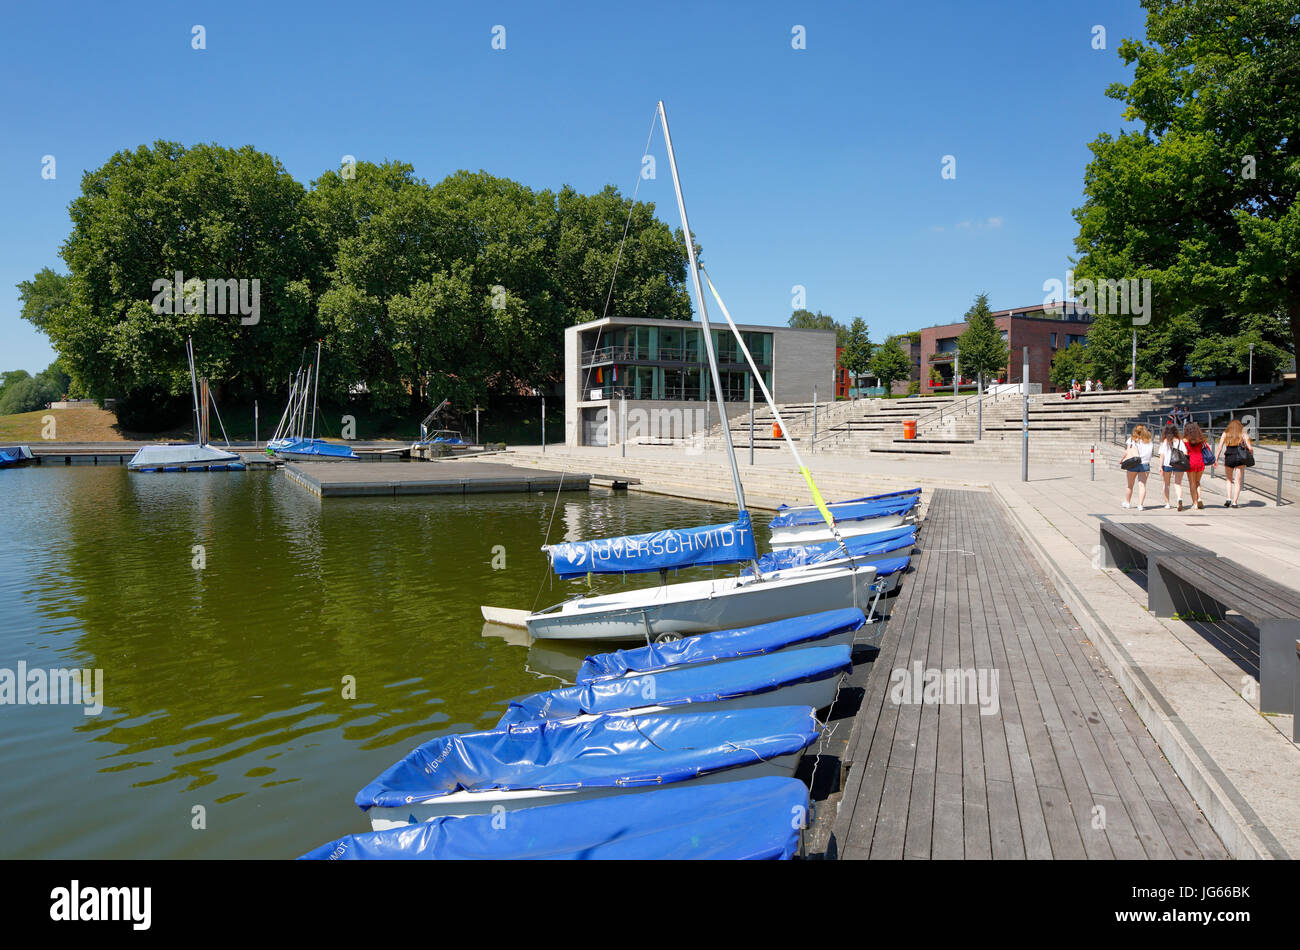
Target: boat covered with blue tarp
543 762
754 819
902 538
312 450
721 645
14 455
665 550
691 685
847 511
883 496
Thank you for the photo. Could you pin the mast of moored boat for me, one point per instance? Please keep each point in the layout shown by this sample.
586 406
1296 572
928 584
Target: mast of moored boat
194 388
704 313
315 387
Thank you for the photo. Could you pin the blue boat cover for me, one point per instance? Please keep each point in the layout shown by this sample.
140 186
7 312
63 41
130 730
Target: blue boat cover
754 819
658 550
849 511
721 645
609 751
896 541
686 684
849 501
317 447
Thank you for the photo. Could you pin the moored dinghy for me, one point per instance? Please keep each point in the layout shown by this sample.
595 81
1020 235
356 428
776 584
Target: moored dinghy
808 677
829 628
865 518
894 543
14 455
755 819
190 457
545 763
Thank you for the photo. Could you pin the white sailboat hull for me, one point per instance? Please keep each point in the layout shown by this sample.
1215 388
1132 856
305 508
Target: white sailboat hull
703 606
817 533
460 804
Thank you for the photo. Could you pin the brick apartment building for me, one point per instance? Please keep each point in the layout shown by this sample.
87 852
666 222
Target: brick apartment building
1042 332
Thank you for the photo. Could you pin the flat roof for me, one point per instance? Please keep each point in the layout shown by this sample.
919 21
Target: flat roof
713 324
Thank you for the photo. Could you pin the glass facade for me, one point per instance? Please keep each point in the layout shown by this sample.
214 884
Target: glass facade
649 362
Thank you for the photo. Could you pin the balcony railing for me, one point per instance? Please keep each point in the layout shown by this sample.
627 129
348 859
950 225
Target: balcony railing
663 354
667 393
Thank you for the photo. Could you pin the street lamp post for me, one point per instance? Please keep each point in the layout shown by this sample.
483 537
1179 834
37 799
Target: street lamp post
1251 378
1024 417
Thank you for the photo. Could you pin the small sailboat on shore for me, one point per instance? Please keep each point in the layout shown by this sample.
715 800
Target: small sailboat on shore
190 457
290 441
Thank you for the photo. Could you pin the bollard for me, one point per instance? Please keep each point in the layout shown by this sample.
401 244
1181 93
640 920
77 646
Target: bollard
1092 463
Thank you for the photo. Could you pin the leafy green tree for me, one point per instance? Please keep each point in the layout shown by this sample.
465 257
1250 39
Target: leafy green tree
1202 199
890 363
1070 364
982 351
856 355
207 212
22 392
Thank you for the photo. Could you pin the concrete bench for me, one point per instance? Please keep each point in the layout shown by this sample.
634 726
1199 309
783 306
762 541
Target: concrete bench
1207 587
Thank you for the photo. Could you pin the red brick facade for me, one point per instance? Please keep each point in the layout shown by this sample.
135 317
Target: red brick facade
1043 335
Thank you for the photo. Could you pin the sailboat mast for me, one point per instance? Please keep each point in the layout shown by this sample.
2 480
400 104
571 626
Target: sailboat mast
704 313
194 386
315 391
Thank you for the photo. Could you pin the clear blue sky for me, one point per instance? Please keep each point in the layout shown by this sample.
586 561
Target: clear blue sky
819 167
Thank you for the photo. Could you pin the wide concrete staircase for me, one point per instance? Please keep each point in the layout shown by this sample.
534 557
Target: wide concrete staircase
947 428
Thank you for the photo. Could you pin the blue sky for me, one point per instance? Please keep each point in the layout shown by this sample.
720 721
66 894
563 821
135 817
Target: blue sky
818 167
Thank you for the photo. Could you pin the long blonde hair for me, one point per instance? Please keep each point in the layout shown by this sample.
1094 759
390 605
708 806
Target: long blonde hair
1233 435
1141 434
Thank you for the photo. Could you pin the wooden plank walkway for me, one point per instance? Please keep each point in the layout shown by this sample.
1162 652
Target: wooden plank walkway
1060 767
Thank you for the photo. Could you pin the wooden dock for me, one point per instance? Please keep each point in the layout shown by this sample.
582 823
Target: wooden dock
1063 769
333 479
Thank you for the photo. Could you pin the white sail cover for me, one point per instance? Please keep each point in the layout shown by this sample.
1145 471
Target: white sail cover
182 456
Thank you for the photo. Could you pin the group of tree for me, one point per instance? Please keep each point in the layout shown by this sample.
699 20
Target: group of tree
419 291
1202 198
20 391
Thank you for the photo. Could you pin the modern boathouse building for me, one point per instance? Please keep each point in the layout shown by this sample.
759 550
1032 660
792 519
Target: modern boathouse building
655 375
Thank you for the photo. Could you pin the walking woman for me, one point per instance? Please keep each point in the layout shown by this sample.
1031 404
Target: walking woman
1238 454
1138 447
1173 462
1194 437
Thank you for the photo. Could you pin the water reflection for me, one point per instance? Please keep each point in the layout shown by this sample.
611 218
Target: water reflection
225 683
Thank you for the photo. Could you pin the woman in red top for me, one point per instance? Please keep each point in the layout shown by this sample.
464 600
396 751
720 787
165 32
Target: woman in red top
1194 436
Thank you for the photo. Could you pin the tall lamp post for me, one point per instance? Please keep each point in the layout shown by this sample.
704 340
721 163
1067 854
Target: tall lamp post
1251 378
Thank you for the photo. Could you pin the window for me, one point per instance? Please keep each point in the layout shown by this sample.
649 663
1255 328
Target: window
1053 341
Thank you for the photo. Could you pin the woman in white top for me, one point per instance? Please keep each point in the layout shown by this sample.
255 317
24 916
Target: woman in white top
1138 446
1169 442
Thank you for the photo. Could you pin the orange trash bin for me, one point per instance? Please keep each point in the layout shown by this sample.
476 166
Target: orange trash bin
776 430
909 428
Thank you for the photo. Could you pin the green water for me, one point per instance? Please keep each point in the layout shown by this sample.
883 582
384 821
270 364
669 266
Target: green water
224 684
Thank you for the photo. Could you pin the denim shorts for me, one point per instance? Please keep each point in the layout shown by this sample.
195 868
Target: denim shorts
1141 468
1166 468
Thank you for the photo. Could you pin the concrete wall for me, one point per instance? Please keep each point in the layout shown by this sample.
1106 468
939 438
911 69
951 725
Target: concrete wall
802 360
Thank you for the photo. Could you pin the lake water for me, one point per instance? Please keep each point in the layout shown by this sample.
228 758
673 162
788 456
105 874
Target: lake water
224 684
